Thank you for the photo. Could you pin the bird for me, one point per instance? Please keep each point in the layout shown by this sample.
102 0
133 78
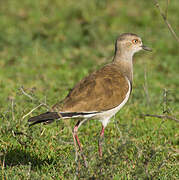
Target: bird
101 94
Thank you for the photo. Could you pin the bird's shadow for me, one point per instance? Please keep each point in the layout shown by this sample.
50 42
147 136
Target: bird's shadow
17 157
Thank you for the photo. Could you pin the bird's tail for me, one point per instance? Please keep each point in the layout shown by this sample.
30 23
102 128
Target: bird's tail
49 117
45 118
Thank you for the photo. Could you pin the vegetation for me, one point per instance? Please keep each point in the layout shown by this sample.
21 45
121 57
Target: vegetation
46 47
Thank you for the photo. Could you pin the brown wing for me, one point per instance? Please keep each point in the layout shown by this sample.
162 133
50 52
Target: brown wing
100 91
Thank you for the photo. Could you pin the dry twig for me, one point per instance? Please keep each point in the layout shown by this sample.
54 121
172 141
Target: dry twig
34 99
32 110
161 116
23 92
164 16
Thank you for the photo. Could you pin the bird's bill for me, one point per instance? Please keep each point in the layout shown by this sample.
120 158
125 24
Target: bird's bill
146 48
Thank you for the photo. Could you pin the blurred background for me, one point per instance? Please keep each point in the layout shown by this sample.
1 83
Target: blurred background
46 47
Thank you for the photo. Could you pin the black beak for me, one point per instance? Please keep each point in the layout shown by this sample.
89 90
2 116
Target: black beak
146 48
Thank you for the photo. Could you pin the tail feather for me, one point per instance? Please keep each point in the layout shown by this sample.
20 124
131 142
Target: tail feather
44 116
49 117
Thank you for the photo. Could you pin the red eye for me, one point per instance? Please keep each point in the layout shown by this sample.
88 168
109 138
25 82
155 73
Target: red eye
135 41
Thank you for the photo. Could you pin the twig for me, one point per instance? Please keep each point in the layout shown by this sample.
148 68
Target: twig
33 110
166 9
164 16
29 96
161 116
32 98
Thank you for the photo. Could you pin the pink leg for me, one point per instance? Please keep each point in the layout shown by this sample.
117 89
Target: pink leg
100 141
75 138
75 130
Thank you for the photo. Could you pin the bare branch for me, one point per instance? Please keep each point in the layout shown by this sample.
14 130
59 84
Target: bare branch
161 116
164 16
33 110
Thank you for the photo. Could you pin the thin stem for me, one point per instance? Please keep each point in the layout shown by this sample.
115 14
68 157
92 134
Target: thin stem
164 16
162 117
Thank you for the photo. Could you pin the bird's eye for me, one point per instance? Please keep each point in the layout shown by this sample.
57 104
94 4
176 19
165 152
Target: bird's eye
135 41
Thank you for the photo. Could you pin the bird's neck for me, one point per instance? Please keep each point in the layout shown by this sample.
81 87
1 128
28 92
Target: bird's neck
124 61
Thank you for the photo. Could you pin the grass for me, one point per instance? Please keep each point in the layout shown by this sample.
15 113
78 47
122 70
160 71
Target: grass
47 47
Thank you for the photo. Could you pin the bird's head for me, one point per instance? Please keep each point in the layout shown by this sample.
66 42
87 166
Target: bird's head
130 43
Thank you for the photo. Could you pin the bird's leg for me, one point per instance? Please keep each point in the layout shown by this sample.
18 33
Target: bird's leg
75 138
75 131
100 141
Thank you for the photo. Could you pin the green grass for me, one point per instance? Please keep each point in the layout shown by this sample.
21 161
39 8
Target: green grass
48 46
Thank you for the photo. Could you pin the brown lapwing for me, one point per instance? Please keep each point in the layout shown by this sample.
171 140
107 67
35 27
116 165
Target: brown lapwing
102 93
